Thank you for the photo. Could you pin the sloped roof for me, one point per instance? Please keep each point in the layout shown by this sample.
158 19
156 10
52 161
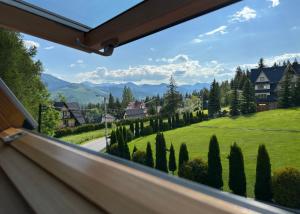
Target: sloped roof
274 74
135 112
77 113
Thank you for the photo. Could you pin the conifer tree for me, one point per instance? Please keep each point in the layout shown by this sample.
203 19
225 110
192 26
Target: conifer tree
263 189
161 153
172 160
177 119
126 153
237 177
214 105
285 91
152 124
161 125
191 118
113 137
261 63
121 143
149 156
172 98
248 102
134 150
124 132
296 93
170 122
183 157
156 127
174 122
214 164
137 129
142 128
234 107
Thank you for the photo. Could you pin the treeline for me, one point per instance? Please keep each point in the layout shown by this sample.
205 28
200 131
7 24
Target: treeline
282 188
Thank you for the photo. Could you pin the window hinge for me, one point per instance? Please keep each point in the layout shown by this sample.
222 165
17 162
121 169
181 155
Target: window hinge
11 134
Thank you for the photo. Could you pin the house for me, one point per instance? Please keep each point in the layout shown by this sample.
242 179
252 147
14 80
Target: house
135 110
266 83
109 118
70 114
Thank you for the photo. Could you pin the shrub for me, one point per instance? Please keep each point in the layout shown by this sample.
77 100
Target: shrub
139 157
166 126
114 150
286 187
237 177
262 188
214 164
195 170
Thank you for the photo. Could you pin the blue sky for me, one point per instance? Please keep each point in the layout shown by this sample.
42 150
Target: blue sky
210 46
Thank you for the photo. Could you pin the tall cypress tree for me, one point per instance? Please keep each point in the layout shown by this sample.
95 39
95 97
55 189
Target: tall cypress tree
152 124
142 128
177 119
121 143
156 127
126 153
183 157
214 164
170 122
124 132
134 150
113 137
131 126
237 177
161 125
172 160
149 156
234 107
263 189
137 129
248 102
161 153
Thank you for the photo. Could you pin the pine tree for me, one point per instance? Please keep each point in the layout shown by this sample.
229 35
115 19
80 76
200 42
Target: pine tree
183 157
263 189
285 91
177 119
152 124
149 156
261 63
161 153
124 132
248 102
237 177
127 96
174 122
214 106
172 160
156 126
191 118
214 164
137 129
234 107
172 97
170 122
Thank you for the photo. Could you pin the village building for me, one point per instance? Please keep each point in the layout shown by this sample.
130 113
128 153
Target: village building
136 110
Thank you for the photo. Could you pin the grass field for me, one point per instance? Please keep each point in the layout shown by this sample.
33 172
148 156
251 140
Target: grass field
279 130
84 137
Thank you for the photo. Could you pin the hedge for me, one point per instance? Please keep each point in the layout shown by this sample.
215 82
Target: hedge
80 129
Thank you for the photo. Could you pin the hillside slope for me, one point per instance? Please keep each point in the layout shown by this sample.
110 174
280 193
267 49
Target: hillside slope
279 130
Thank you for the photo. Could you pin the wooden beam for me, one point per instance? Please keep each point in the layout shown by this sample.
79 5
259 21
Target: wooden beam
149 17
119 186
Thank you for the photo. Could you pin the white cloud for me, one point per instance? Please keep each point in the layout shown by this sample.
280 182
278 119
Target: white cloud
220 30
295 28
275 3
184 69
80 61
72 65
49 47
30 44
244 15
150 59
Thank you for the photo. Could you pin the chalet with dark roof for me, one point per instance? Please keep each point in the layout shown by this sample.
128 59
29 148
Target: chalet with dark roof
70 114
267 81
135 110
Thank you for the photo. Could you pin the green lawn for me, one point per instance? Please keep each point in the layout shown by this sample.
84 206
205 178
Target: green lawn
279 130
84 137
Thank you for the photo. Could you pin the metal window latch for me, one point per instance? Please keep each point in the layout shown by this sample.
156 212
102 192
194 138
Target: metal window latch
11 134
107 50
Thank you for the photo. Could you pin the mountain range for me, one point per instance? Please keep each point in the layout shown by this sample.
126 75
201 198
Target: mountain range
86 92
